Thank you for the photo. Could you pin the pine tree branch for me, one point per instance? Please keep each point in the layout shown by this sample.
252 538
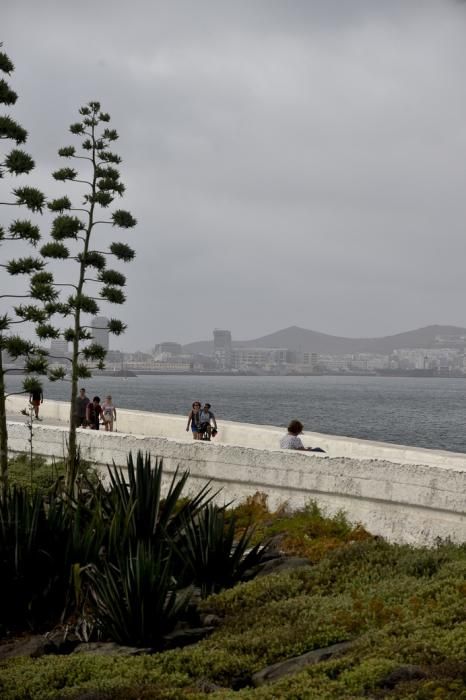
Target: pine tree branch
83 182
15 296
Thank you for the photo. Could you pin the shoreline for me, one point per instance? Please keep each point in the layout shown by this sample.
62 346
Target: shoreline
130 373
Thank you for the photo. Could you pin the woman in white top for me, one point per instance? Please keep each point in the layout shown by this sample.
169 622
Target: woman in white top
108 413
291 441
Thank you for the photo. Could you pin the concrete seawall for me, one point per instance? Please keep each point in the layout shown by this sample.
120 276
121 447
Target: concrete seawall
404 494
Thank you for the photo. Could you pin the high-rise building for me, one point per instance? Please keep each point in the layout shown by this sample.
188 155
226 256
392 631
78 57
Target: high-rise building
100 332
222 348
168 348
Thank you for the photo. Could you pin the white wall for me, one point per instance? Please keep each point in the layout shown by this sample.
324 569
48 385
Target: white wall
402 502
256 436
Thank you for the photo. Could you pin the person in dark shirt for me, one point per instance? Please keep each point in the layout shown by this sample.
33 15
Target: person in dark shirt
94 412
36 397
82 402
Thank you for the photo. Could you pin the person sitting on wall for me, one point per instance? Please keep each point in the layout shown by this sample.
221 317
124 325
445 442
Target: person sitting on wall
291 441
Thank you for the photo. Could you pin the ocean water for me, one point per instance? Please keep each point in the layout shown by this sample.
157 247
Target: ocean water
426 412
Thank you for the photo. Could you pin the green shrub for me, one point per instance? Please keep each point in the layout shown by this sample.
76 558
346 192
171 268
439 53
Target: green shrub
306 532
40 476
51 678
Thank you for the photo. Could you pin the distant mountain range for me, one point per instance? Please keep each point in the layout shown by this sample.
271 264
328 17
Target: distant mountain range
301 339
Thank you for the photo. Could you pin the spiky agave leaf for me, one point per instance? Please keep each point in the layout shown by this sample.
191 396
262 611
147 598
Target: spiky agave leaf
136 506
211 555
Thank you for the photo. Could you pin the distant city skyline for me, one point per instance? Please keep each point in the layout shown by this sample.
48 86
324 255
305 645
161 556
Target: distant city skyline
431 351
221 338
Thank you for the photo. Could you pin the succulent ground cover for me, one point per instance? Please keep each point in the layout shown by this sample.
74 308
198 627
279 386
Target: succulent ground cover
403 610
39 474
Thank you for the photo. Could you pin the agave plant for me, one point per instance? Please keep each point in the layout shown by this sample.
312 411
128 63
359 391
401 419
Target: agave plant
78 535
132 582
136 510
41 539
27 570
211 555
136 601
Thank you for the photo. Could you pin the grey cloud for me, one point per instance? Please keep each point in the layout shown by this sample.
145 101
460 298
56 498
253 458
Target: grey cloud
290 163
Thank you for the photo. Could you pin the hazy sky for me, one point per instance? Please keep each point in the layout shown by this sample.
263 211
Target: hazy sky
293 162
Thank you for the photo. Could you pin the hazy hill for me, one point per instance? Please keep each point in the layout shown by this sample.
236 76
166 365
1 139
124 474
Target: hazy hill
296 338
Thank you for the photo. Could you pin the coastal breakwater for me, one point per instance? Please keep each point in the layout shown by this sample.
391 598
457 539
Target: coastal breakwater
404 494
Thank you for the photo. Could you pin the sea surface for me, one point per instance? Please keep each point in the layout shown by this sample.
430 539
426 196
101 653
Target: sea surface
425 412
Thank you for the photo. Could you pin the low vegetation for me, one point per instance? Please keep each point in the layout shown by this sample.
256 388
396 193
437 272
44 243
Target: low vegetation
403 610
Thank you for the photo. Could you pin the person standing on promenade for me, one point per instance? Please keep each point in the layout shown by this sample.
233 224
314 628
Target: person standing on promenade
80 412
208 421
194 420
108 413
36 397
94 411
292 441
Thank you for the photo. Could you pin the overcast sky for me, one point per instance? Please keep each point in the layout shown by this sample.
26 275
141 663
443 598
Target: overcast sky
300 162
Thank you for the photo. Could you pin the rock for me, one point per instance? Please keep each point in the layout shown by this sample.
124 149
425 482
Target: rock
89 695
277 565
274 547
211 620
59 641
109 649
182 638
205 686
283 668
403 674
33 646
